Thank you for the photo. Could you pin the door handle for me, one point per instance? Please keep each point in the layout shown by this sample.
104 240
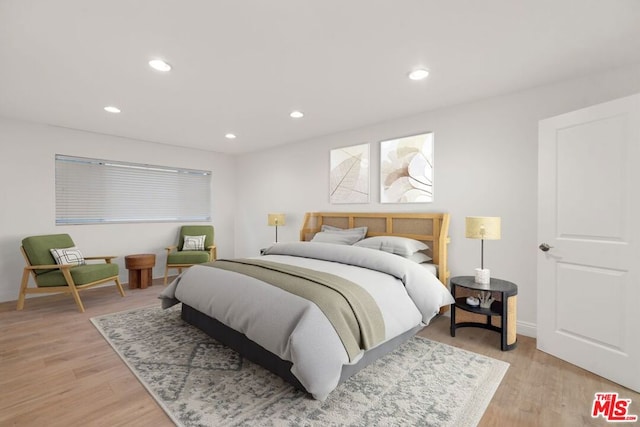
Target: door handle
544 247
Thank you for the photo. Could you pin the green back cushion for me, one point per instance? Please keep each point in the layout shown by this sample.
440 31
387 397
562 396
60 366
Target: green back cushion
37 248
197 230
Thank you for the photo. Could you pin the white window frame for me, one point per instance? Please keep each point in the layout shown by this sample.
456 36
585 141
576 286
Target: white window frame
95 191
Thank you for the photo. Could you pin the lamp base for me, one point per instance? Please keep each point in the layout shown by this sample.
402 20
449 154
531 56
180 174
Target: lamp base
483 276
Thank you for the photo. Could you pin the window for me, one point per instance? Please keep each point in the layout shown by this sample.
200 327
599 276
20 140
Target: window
93 191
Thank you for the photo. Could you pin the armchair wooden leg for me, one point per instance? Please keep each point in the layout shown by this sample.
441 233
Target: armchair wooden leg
73 289
119 286
166 274
23 289
76 296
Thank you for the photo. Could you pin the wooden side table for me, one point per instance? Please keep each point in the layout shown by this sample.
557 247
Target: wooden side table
140 268
499 317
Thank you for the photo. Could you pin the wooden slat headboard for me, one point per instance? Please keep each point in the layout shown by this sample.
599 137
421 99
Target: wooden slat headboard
430 228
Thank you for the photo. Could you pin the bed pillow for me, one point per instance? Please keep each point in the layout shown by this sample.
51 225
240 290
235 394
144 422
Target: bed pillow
419 257
361 231
394 244
68 256
336 237
193 243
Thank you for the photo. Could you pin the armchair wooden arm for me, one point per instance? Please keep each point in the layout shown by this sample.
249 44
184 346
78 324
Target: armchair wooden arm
213 252
107 258
67 266
49 267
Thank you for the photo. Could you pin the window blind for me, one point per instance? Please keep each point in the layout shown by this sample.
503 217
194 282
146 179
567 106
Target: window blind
90 191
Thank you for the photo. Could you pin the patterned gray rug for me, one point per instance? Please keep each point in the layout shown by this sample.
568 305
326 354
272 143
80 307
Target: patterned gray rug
199 382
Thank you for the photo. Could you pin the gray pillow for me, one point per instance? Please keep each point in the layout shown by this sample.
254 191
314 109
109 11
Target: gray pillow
361 231
396 245
337 238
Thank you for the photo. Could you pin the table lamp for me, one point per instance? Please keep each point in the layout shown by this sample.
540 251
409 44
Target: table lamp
275 219
483 228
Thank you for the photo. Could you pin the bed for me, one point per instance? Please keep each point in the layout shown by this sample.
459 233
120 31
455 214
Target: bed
315 312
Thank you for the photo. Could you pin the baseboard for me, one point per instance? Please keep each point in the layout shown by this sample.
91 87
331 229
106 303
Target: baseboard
526 328
9 295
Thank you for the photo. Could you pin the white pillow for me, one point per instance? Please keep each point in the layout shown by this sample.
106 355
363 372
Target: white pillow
419 257
193 243
336 238
68 256
396 245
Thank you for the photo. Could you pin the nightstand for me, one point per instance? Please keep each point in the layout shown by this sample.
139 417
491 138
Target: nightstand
499 317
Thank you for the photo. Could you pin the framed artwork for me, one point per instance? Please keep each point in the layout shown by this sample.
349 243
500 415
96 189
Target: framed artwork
349 174
406 169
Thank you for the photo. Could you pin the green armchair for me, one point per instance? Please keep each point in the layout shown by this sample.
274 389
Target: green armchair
70 277
192 248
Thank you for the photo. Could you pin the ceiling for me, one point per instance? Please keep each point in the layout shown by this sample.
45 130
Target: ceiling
242 66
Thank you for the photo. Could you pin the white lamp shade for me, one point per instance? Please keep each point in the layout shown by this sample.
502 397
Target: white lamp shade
275 219
482 227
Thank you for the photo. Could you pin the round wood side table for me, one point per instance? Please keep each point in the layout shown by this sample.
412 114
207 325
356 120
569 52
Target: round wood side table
140 270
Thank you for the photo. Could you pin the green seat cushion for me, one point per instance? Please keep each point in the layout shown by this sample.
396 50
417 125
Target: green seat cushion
188 257
81 275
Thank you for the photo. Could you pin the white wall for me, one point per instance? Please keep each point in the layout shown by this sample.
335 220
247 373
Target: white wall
27 173
485 165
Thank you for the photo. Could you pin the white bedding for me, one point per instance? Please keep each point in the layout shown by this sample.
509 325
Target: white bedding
431 268
295 329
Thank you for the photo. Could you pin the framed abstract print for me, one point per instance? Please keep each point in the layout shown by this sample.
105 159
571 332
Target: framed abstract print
349 174
406 169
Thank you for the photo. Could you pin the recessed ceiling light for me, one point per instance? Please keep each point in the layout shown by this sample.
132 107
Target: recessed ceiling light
230 136
419 74
111 109
296 114
160 65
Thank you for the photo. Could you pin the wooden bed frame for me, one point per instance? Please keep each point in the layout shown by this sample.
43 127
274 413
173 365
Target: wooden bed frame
431 228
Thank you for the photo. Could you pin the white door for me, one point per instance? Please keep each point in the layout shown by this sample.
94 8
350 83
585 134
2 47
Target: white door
589 214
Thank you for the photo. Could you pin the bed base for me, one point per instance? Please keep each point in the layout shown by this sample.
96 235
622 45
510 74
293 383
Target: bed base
282 368
240 343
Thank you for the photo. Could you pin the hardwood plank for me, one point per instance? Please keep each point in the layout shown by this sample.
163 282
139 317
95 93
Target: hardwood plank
538 389
57 370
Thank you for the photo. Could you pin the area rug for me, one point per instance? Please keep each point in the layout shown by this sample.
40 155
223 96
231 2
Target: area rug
199 382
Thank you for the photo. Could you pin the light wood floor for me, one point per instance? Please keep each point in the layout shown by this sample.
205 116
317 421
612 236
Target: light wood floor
57 370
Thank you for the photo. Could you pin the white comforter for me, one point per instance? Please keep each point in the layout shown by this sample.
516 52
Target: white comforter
294 328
